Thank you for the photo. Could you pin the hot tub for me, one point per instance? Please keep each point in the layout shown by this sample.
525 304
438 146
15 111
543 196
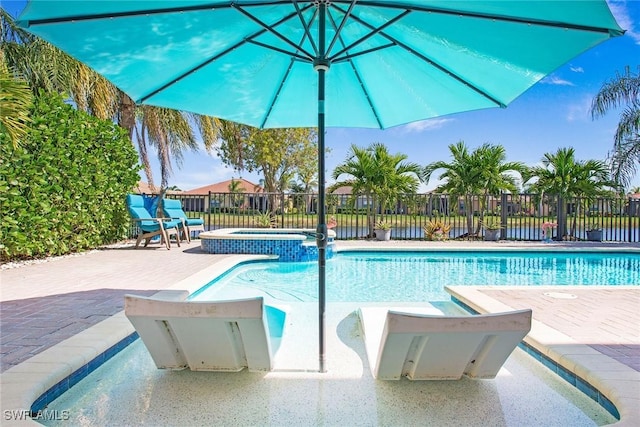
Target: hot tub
289 244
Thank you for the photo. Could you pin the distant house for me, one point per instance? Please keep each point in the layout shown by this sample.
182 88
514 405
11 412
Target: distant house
345 200
223 187
219 196
145 188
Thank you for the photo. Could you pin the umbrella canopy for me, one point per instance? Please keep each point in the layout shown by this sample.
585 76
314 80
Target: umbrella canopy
390 62
270 63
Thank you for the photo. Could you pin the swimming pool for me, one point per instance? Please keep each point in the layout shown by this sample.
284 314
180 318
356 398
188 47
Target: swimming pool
421 276
343 331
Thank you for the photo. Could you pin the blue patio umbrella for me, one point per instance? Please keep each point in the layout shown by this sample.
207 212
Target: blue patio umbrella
270 63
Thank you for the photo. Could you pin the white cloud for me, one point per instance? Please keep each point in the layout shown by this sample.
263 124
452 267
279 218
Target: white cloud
579 110
423 125
621 13
555 80
577 69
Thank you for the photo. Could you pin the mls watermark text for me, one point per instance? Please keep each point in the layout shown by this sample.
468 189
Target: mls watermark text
41 415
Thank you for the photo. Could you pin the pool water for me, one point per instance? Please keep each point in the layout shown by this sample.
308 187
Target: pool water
129 390
420 276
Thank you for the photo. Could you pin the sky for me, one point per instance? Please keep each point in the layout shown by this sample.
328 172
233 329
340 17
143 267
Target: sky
552 114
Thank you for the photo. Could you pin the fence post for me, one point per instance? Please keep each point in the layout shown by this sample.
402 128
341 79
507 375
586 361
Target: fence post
282 209
503 215
631 212
562 219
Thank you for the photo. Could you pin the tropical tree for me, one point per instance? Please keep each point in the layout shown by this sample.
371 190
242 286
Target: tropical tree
622 91
561 174
496 175
237 192
378 176
481 173
16 100
278 154
47 68
296 189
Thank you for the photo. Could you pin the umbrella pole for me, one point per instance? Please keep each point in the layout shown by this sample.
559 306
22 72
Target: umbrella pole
321 66
321 230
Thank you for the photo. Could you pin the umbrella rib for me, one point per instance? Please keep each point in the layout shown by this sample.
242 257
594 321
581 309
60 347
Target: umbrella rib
194 69
284 78
341 26
273 102
357 74
248 39
515 19
366 94
213 6
143 12
370 34
431 62
305 25
271 29
277 49
363 52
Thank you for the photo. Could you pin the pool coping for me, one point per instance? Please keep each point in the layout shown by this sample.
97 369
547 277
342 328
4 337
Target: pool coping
261 233
65 363
617 382
59 367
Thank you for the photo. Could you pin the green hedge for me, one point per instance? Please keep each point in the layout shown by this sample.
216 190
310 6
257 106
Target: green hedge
63 189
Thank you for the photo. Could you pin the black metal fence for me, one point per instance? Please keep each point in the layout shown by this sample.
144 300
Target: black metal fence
518 216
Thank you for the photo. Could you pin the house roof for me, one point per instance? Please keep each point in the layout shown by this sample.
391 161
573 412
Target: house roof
223 187
144 188
345 189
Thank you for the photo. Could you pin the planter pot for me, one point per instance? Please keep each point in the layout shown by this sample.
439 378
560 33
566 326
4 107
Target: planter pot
491 235
594 235
383 234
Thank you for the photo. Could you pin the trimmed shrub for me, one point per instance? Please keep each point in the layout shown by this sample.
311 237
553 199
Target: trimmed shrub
62 189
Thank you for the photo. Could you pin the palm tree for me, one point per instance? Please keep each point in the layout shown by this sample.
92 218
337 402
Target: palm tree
622 91
564 176
496 174
308 182
47 68
16 100
377 175
483 172
237 192
461 177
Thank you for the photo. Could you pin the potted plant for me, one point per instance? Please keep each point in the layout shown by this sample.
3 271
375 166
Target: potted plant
382 229
594 232
436 230
265 220
492 227
547 228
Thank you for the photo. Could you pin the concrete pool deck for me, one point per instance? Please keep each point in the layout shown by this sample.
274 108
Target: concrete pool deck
76 302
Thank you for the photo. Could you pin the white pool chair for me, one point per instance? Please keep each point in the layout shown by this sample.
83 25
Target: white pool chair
206 336
426 345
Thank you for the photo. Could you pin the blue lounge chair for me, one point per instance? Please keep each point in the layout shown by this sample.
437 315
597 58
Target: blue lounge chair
150 226
172 208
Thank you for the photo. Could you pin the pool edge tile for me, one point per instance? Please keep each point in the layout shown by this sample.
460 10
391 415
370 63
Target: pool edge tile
567 358
21 386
